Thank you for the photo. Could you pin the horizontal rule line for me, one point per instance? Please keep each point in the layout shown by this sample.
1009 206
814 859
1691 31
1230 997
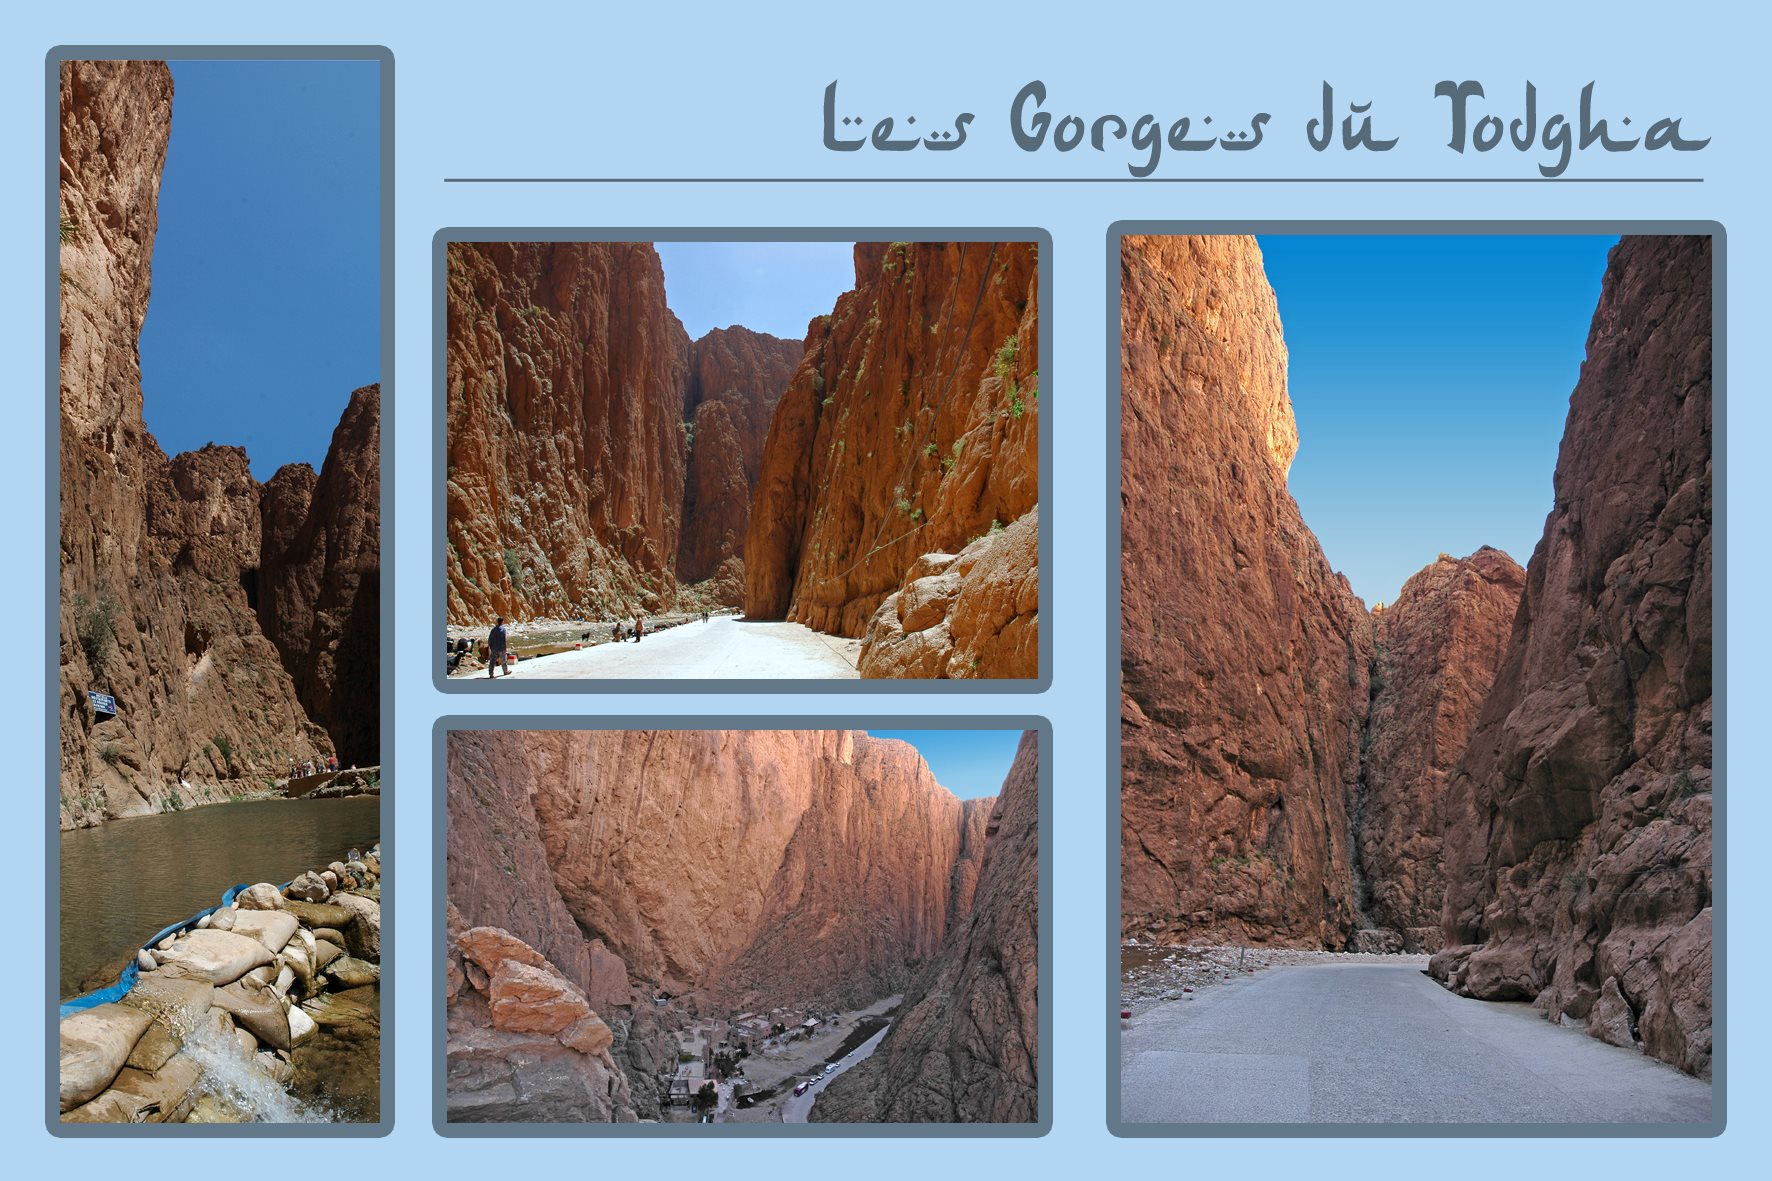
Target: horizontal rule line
1070 180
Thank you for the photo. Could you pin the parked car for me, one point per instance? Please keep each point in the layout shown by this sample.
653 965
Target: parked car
830 1066
801 1089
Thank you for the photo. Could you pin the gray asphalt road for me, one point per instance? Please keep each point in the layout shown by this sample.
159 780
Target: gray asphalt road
799 1107
1364 1043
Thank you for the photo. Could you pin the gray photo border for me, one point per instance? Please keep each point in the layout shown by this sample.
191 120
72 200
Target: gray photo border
1719 677
52 574
440 922
440 452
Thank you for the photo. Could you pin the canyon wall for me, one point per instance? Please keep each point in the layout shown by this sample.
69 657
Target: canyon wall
319 580
566 444
1578 839
909 429
159 559
1436 651
598 460
964 1046
1244 658
735 378
749 867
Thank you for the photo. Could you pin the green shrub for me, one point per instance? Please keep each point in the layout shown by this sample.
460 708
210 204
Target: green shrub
514 568
95 623
111 754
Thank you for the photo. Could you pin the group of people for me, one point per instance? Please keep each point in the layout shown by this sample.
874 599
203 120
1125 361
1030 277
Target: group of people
307 767
498 643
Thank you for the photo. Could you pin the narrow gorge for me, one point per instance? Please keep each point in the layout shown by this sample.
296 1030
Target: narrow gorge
236 624
1509 768
614 894
876 482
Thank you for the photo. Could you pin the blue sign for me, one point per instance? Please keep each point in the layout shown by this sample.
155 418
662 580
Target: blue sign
103 703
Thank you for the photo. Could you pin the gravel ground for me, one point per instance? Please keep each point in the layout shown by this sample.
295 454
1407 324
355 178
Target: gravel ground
1151 975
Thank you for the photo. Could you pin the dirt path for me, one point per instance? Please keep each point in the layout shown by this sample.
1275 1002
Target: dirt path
720 649
1351 1042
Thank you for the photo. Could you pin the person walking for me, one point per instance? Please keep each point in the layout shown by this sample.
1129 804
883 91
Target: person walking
639 628
495 644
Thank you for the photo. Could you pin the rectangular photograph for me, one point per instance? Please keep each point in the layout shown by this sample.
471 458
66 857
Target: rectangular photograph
1416 681
216 639
777 461
741 931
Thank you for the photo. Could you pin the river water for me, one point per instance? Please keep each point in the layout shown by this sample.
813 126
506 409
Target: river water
125 880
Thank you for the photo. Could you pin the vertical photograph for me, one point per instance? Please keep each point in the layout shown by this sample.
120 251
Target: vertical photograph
1416 681
216 646
709 932
806 461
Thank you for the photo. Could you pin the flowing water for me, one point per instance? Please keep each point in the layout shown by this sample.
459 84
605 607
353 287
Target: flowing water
124 880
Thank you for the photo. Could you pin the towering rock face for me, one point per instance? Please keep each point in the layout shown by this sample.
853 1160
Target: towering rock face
158 558
597 459
566 375
735 378
965 1044
1244 657
909 429
1578 842
1436 652
787 867
319 580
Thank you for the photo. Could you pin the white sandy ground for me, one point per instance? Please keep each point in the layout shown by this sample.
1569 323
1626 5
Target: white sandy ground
720 649
797 1108
1359 1042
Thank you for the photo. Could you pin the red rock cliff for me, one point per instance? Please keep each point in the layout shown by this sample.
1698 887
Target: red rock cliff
965 1044
787 867
1578 845
1244 657
1437 648
735 378
158 557
319 580
566 374
910 428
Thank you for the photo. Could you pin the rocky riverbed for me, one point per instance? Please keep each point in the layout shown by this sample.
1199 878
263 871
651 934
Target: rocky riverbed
1153 974
264 1010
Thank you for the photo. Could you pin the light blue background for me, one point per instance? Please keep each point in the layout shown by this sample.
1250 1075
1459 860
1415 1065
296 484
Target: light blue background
533 89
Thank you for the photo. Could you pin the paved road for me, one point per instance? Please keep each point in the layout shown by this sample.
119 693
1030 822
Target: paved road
798 1107
1382 1044
723 648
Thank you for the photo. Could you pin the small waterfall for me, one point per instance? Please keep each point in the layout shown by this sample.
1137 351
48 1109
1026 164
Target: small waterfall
234 1077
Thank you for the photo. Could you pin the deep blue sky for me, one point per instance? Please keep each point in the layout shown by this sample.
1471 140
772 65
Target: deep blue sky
266 303
968 763
773 287
1430 377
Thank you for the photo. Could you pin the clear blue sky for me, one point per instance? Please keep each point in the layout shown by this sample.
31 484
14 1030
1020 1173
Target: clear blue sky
969 763
266 304
773 287
1430 377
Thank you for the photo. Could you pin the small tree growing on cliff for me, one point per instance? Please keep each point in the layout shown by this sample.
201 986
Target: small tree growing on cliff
514 568
95 623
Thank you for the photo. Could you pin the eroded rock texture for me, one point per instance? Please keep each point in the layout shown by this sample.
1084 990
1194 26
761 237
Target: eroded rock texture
319 579
566 443
735 379
597 459
1578 844
1244 657
1436 651
793 867
523 1043
965 1044
159 559
910 428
